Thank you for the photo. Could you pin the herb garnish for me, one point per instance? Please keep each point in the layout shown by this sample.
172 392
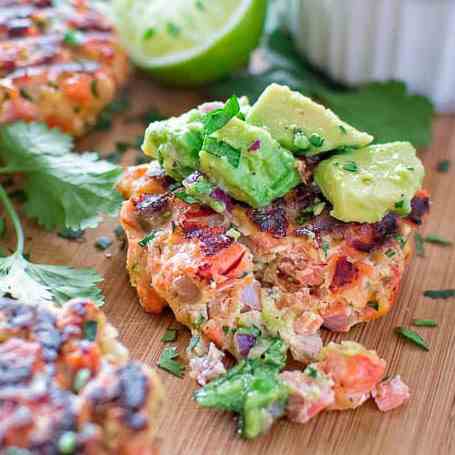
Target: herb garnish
218 118
149 33
222 149
425 323
440 294
351 166
73 38
413 337
90 330
438 240
443 166
185 197
147 239
373 304
316 140
167 362
420 249
169 336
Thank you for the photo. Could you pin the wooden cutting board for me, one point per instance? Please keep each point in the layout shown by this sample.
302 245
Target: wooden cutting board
426 425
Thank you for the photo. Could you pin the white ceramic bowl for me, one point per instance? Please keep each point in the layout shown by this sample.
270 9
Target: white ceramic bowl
357 41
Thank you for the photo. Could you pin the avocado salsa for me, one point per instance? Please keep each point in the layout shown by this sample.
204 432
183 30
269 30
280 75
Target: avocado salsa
252 153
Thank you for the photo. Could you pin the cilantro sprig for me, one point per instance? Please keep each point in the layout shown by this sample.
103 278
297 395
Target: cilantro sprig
63 189
168 363
38 283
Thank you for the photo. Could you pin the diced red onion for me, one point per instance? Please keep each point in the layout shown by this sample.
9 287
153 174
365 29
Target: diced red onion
223 197
255 146
244 342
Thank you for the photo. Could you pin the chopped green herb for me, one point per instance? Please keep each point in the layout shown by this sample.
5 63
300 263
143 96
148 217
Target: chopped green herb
103 242
149 33
94 88
390 253
401 240
316 140
436 239
412 336
71 234
425 323
185 197
73 38
147 239
373 304
67 443
440 294
443 166
167 362
2 227
81 379
199 321
25 94
173 29
169 336
215 120
399 204
325 248
89 330
222 149
420 249
311 372
343 129
351 166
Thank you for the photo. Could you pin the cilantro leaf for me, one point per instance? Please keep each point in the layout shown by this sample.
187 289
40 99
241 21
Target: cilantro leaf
169 336
218 118
222 149
36 283
63 189
167 362
413 337
385 110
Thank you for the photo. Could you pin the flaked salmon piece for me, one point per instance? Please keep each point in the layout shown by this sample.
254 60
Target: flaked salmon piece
390 394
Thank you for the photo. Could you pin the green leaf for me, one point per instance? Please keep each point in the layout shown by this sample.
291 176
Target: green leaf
64 189
169 336
36 283
438 240
413 337
425 323
443 166
218 118
386 110
440 294
222 149
185 197
420 249
167 362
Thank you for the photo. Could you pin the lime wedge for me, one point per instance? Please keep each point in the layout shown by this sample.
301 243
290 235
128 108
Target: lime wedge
189 42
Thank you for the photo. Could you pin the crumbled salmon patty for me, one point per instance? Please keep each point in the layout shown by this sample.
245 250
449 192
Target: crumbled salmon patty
60 63
269 268
66 385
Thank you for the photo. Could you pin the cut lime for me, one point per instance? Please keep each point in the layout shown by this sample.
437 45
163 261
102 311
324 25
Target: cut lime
189 42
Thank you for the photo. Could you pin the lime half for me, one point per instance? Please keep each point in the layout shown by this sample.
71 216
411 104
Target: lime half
189 42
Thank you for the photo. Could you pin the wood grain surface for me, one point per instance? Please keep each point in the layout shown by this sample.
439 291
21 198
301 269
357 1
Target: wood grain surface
426 425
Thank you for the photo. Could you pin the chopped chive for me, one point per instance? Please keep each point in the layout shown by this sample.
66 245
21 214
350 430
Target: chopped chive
440 294
316 140
420 249
436 239
147 239
167 362
149 33
169 336
94 88
412 336
103 242
89 330
425 323
351 166
443 166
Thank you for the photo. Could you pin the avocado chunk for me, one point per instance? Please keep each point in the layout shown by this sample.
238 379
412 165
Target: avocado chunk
175 143
364 185
252 389
247 163
301 125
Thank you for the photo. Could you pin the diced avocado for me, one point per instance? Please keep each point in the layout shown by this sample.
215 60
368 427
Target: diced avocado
252 389
247 163
363 185
198 187
175 143
301 125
